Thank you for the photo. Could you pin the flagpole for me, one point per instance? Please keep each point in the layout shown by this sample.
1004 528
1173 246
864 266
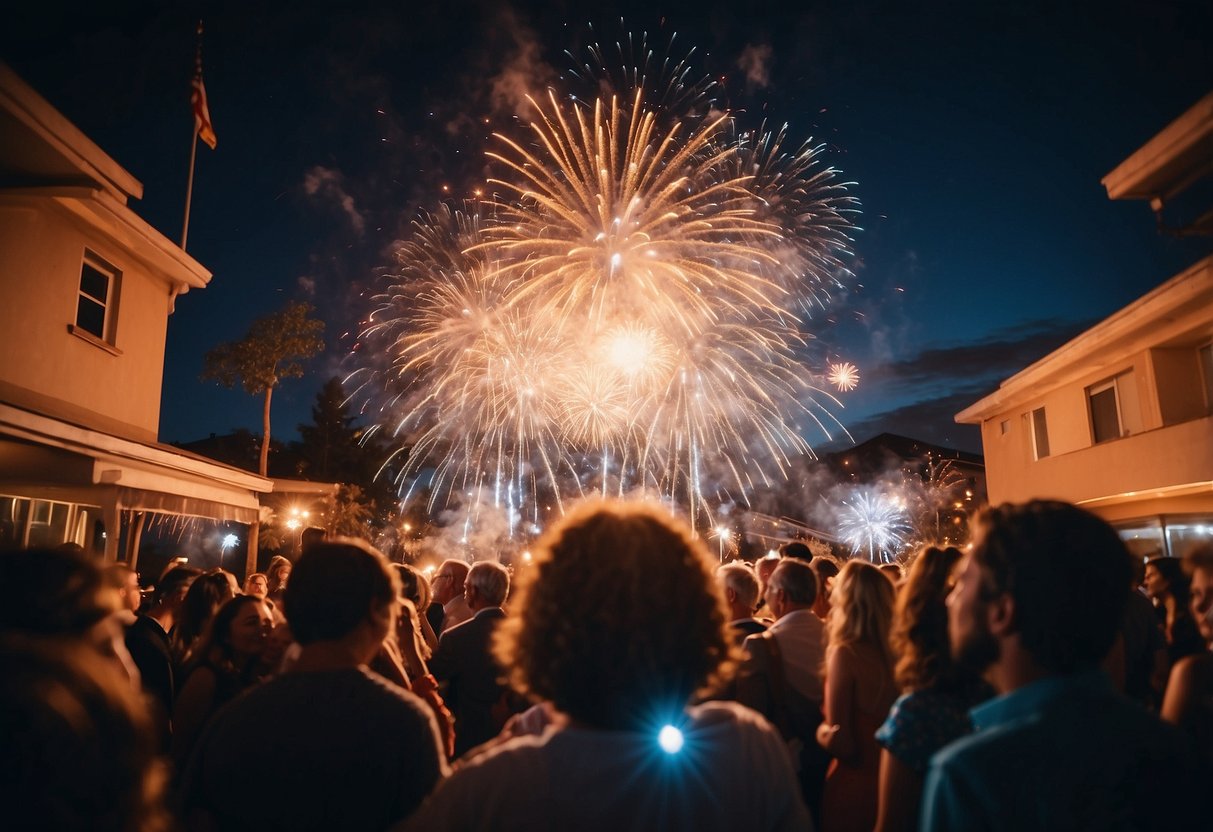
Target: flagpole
189 188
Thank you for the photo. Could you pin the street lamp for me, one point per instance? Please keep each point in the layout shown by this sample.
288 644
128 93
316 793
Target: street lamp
722 534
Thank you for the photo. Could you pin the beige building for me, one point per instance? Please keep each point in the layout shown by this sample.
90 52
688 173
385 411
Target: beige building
1120 419
86 288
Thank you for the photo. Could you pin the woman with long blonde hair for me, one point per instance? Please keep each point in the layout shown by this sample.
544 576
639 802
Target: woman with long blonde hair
859 690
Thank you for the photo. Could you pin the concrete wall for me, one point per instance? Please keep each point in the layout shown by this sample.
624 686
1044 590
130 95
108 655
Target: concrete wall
45 367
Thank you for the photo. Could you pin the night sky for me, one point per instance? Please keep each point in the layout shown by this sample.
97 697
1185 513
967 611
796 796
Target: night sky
976 135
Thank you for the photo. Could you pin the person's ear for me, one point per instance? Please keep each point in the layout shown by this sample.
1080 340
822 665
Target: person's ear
1000 615
730 595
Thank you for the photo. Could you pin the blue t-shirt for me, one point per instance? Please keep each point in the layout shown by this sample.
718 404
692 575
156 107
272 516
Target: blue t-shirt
923 721
1063 753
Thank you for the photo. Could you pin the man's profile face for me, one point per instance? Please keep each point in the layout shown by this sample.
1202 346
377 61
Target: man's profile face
973 645
445 585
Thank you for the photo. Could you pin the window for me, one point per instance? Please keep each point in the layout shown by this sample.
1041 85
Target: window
1113 408
1105 412
1004 427
96 303
1040 433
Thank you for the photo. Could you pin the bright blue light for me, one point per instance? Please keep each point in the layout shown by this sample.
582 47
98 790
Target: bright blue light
670 739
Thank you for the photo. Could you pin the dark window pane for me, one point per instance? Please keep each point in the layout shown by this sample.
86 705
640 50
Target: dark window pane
90 316
1105 424
93 283
1041 429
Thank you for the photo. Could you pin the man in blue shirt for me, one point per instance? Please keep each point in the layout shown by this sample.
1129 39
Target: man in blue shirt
1036 608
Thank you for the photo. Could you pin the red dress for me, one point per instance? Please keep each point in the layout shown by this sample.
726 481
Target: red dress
851 790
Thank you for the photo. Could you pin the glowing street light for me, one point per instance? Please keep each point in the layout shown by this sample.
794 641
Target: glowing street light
723 535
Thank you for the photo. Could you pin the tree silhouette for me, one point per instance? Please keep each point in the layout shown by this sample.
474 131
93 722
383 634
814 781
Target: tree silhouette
272 350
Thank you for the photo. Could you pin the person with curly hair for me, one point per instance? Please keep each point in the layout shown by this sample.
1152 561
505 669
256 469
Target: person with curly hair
859 690
616 626
934 708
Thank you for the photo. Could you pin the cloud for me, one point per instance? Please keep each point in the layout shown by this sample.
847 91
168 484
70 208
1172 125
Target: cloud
755 62
931 420
1003 353
525 73
327 184
940 381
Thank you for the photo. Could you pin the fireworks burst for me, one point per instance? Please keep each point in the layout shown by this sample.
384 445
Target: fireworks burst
874 523
844 376
626 313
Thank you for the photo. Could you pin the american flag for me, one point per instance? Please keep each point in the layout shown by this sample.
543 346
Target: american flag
202 115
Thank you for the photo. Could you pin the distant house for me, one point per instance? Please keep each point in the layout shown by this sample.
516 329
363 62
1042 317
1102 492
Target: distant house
86 288
1120 419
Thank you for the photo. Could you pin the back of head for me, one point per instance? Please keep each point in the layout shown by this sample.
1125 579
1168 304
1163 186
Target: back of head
619 621
740 578
310 536
796 549
175 584
53 592
920 621
1067 572
79 752
796 579
862 610
491 582
826 568
334 588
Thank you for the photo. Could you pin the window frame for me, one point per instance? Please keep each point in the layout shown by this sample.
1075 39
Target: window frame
113 277
1108 384
1036 431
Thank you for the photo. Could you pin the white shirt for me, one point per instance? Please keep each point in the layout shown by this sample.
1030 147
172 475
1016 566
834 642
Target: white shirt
802 643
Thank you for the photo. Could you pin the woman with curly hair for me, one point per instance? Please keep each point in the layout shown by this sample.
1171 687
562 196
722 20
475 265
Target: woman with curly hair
859 690
933 709
616 626
226 661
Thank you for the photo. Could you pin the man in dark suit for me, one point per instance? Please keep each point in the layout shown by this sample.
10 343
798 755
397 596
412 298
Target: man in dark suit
464 663
740 589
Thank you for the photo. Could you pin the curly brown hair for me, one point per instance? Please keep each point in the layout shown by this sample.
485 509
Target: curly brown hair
920 621
619 621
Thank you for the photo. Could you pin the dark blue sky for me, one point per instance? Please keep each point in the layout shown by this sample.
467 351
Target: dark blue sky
976 133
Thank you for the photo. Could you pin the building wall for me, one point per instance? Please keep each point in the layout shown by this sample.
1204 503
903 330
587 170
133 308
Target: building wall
47 368
1169 435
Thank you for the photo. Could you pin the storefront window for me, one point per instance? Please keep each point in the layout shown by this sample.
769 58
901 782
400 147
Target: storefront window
1183 533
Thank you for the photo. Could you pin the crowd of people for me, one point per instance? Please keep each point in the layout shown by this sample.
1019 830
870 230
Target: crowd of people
1040 679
